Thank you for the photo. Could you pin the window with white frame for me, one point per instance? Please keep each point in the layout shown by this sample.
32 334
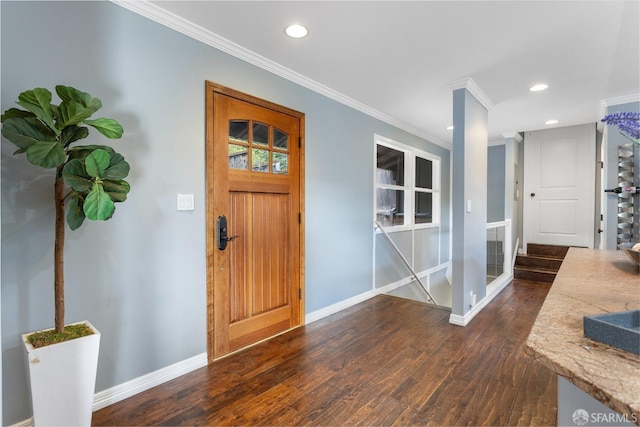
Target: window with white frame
407 182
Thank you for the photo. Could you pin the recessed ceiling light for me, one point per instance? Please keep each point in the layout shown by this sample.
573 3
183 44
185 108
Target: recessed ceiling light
538 87
450 127
551 122
296 31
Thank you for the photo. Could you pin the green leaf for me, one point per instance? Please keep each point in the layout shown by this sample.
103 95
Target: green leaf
108 127
82 151
38 101
75 214
13 113
26 131
71 94
97 162
72 113
47 154
73 133
75 176
98 205
118 168
117 190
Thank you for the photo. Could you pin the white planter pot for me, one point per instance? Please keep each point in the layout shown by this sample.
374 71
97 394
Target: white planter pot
62 380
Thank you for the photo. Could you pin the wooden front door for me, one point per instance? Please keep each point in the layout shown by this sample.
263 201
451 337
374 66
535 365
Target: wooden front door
254 184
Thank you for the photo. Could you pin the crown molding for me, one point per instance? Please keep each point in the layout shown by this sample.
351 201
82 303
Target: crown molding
468 84
181 25
625 99
517 136
609 102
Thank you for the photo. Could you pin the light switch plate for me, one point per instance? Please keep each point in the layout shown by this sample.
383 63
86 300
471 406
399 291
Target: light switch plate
186 202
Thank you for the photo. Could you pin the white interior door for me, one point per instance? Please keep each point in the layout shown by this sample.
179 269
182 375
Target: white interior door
559 186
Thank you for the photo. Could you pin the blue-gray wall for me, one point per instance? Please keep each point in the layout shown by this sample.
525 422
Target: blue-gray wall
140 277
469 237
496 183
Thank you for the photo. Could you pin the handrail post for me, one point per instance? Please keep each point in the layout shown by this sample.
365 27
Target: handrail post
406 263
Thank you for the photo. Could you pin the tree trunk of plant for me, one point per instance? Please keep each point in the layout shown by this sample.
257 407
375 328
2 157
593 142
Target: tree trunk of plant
58 264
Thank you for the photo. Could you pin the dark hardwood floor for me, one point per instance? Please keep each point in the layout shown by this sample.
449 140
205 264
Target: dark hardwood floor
386 361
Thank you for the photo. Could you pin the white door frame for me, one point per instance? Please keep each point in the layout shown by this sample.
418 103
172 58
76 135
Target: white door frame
559 186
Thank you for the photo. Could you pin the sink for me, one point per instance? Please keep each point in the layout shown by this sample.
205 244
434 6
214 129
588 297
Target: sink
621 329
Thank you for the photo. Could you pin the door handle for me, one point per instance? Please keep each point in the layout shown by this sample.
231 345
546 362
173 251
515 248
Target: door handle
533 194
222 237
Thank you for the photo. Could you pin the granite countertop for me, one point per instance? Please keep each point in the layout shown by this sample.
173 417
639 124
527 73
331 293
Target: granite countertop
590 282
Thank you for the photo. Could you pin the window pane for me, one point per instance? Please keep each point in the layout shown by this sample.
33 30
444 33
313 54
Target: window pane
280 163
424 208
237 157
239 130
389 206
259 160
260 134
390 166
280 139
424 173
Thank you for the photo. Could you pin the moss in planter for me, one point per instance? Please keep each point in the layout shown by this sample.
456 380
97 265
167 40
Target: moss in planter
44 338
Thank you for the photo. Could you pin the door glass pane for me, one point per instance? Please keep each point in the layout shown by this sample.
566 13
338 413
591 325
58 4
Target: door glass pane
424 173
260 134
280 139
239 130
280 163
259 160
389 206
424 208
390 166
238 158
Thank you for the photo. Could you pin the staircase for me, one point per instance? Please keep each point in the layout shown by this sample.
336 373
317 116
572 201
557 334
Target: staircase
540 263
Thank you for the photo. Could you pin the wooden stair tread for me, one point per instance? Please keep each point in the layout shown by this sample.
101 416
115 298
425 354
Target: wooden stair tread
558 251
533 282
535 275
535 269
542 256
540 264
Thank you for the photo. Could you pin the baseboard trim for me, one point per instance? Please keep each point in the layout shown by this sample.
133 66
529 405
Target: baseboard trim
494 289
395 285
342 305
339 306
24 423
122 391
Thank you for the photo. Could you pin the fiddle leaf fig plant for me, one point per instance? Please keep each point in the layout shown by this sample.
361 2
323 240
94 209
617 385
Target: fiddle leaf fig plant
89 179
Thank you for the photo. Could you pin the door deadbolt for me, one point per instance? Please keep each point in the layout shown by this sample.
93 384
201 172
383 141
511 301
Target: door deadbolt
222 237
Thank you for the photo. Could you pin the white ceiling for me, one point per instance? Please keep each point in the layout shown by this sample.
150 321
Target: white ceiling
399 57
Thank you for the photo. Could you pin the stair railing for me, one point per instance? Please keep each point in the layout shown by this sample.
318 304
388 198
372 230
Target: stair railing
404 260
